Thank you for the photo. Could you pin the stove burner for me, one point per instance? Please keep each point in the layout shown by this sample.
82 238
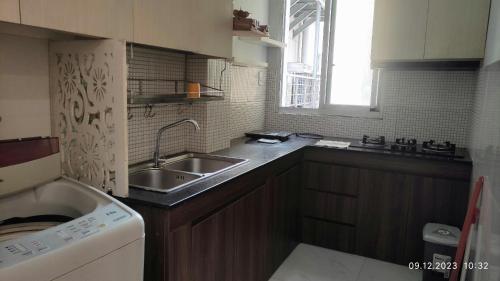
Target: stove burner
432 146
378 141
404 145
410 147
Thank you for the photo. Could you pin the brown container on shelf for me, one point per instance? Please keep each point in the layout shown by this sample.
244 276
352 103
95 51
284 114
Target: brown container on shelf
193 90
244 24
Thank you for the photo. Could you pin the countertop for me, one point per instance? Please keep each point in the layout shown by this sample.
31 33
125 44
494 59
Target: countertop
258 154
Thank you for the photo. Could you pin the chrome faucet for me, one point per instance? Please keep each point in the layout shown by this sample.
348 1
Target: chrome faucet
156 155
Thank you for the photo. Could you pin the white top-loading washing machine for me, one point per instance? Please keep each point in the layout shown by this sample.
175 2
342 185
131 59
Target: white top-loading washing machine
55 228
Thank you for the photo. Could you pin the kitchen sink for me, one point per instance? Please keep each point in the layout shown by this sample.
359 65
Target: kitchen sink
201 163
179 171
160 179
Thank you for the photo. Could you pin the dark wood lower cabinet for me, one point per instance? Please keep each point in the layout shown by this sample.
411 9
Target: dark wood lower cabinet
285 192
331 178
247 239
213 247
377 205
330 235
371 205
433 200
331 207
251 235
384 198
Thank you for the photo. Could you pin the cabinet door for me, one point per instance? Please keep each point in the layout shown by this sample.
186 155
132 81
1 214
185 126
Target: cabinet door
9 11
331 178
433 200
327 234
382 214
101 18
285 216
166 23
330 207
213 247
399 29
214 27
251 237
456 29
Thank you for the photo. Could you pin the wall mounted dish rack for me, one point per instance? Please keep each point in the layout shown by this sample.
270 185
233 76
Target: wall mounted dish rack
173 91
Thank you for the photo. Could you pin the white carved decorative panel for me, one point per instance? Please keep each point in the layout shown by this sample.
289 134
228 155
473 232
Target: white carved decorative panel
88 95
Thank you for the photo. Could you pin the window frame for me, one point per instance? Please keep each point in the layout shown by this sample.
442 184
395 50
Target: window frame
373 110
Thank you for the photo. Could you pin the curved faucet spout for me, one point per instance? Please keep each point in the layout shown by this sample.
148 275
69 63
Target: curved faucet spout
156 155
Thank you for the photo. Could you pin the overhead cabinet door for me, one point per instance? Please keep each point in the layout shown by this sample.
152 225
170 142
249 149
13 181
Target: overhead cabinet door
214 27
456 29
399 30
9 11
199 26
100 18
166 23
409 30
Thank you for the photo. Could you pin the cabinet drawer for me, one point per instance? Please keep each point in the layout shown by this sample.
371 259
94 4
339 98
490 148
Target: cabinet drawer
329 235
331 178
331 207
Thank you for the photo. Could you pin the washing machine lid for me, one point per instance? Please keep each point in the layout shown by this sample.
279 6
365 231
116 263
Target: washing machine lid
100 226
26 163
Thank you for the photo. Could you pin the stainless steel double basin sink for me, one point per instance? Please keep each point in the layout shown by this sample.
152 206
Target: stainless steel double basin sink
177 172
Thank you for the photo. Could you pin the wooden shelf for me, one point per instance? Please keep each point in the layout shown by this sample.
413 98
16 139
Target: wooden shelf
263 41
249 33
258 38
249 63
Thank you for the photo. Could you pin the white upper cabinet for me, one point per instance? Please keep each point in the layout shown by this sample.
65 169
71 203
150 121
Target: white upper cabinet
9 11
165 23
199 26
214 24
410 30
100 18
399 29
456 29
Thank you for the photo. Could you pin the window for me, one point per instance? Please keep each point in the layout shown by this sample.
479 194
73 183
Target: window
327 56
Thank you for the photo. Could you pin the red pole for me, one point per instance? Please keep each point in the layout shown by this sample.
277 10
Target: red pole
469 220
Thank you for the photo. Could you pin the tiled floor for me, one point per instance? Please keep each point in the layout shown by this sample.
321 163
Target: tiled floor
311 263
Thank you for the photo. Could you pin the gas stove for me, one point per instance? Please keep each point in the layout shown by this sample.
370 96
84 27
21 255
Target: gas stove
411 147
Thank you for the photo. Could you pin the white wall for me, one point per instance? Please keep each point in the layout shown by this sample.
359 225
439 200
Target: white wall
24 87
259 9
493 41
485 152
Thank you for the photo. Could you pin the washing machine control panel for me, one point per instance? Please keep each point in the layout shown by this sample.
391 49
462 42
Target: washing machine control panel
30 246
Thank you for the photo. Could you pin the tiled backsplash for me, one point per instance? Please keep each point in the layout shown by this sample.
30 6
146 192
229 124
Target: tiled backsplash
142 132
145 63
421 104
415 104
219 120
248 96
